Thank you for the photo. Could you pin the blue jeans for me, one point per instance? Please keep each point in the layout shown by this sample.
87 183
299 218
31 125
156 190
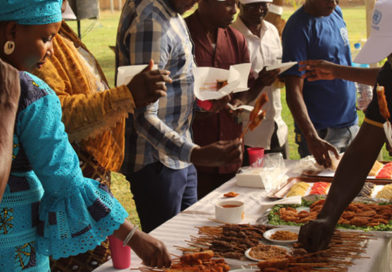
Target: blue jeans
160 193
338 137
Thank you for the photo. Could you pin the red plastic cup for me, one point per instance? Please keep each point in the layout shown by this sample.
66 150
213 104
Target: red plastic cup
256 155
204 104
121 255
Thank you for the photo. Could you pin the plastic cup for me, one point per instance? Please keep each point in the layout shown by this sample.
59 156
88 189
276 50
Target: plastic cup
256 155
121 255
204 104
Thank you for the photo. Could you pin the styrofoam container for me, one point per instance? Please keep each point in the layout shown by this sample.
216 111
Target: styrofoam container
251 177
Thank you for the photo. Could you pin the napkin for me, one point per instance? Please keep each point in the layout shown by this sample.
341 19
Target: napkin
126 73
241 107
282 66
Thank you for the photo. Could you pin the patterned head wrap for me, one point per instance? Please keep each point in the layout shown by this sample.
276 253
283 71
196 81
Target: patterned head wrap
31 12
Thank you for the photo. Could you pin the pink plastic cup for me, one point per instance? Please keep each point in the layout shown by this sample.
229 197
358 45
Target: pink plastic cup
256 155
121 255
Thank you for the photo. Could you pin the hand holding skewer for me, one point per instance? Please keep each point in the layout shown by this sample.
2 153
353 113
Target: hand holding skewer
256 115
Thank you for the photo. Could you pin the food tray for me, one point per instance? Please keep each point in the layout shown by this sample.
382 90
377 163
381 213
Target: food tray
328 174
381 234
329 179
285 188
378 233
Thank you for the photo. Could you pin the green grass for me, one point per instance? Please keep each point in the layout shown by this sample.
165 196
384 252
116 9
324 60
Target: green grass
98 35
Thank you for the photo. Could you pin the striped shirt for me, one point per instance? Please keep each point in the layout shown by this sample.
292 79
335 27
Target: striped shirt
150 29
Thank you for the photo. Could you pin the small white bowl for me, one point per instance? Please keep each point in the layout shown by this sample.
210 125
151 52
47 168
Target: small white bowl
267 235
229 211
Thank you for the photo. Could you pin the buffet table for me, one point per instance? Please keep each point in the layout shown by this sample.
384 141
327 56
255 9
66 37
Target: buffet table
180 228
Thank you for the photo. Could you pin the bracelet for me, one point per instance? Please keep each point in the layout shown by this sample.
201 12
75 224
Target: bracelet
129 236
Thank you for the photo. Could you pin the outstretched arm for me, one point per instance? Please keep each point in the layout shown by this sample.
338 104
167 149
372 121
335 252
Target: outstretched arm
9 98
317 146
348 181
325 70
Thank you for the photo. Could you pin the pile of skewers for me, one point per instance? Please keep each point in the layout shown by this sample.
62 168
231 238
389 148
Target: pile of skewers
228 241
202 261
345 246
356 214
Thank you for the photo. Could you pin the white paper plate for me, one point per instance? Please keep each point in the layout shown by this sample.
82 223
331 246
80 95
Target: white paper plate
267 235
282 66
257 260
126 73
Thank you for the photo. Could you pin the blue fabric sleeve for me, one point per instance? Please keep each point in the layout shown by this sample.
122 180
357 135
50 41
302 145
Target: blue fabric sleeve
76 214
295 43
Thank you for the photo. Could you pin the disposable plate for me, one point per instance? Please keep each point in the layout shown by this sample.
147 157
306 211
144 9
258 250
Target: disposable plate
268 234
257 260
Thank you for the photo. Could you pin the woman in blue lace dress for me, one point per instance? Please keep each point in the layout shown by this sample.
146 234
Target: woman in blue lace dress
48 207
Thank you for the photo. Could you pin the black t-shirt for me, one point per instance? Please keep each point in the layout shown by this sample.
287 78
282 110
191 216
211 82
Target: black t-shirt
384 78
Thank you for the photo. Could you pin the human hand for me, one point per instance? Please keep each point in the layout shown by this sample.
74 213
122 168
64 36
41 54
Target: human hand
266 78
152 251
233 106
316 234
388 148
9 86
148 86
218 153
220 104
317 70
236 102
319 149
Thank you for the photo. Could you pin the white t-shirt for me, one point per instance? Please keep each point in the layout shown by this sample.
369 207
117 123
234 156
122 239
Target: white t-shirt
263 51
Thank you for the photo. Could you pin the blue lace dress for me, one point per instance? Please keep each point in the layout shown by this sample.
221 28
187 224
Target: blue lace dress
48 207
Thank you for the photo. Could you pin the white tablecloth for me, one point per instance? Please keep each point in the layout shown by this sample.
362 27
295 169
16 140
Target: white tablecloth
180 228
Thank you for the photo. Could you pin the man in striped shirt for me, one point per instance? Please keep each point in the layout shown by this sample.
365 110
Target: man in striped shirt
159 148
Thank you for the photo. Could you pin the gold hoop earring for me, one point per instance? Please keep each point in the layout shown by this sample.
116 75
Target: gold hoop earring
9 47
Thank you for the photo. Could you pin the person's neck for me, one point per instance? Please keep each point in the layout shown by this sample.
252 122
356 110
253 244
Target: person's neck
255 28
170 5
5 59
309 9
4 56
210 29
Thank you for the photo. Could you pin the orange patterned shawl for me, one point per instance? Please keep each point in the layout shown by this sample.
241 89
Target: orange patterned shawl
93 120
